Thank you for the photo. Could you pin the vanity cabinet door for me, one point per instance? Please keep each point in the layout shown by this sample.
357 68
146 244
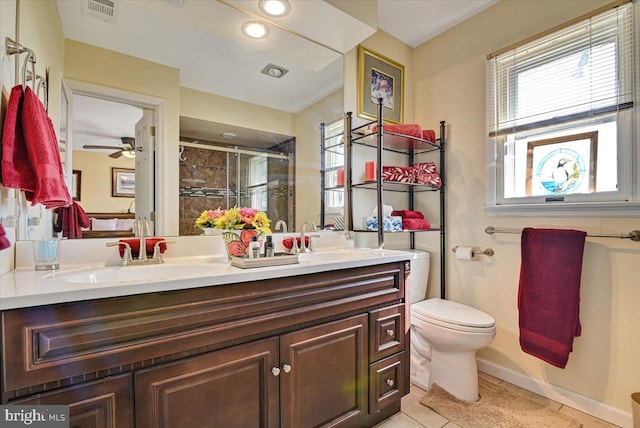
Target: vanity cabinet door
106 403
324 374
233 387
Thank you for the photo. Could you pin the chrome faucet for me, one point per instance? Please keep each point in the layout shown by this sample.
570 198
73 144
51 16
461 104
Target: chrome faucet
303 246
142 229
281 225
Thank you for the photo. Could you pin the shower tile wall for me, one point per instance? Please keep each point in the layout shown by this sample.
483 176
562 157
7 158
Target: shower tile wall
195 198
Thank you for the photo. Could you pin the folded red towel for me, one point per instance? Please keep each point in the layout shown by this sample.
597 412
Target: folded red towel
549 292
4 242
415 224
134 243
429 135
425 167
408 214
398 174
429 179
288 242
71 220
412 130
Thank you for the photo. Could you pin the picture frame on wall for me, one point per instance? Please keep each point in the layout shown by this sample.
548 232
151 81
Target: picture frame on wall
380 77
76 182
562 165
123 184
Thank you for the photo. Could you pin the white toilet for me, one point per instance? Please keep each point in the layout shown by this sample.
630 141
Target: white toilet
445 336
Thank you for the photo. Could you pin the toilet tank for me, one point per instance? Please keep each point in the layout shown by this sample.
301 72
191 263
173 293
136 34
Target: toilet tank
419 278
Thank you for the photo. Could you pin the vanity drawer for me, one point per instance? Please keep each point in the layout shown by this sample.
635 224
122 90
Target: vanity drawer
386 327
386 381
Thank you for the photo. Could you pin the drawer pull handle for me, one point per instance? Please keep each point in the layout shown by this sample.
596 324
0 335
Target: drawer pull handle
286 368
390 382
275 371
390 333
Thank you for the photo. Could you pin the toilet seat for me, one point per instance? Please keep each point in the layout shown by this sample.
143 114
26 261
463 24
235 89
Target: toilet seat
455 316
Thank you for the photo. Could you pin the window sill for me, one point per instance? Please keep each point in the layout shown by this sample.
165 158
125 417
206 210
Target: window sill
565 209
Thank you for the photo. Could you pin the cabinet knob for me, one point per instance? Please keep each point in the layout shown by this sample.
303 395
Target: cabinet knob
275 371
390 333
390 382
286 368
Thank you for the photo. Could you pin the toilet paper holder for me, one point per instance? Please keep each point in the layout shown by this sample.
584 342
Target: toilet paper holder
486 251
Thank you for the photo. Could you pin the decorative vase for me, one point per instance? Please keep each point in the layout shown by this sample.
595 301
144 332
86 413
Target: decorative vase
237 241
210 231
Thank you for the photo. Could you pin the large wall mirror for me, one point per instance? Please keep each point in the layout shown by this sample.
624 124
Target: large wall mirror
212 106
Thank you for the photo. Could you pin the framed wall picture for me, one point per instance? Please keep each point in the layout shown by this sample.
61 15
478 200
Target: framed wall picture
76 182
562 165
123 184
380 77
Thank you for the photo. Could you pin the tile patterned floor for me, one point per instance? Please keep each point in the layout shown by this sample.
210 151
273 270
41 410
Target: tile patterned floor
415 415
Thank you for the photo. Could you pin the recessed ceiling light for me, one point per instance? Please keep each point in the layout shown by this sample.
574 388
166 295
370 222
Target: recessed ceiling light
274 71
255 29
229 135
275 7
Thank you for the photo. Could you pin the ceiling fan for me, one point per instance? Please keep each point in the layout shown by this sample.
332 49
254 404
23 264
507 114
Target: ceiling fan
128 148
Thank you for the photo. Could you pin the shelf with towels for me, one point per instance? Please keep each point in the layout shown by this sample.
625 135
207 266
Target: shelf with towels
634 235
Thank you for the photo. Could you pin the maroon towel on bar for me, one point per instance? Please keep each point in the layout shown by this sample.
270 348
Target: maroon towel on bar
71 220
16 167
549 292
4 242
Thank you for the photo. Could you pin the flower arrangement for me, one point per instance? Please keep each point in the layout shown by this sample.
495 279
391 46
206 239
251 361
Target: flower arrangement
234 219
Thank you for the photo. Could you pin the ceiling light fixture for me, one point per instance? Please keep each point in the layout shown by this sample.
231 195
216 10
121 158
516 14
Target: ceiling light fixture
255 29
129 154
229 135
277 8
273 70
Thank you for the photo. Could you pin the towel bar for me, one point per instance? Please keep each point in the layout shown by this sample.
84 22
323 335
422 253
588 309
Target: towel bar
634 235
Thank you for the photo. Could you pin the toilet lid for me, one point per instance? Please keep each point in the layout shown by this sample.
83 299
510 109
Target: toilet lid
452 313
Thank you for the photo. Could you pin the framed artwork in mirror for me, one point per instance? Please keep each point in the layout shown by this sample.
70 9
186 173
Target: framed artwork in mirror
380 77
562 165
76 182
123 184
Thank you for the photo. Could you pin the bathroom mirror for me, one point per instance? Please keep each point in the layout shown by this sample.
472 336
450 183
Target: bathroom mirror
215 65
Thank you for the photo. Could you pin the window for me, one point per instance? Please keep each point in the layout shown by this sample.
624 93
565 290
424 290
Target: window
561 119
333 160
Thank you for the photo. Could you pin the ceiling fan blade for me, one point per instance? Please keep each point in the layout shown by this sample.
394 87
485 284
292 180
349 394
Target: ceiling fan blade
116 155
89 146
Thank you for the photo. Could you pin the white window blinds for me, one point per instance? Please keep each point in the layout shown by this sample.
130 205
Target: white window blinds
583 70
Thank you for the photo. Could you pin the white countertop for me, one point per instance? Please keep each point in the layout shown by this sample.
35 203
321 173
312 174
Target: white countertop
24 287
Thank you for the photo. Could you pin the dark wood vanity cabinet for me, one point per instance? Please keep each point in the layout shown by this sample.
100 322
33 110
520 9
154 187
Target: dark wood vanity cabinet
325 349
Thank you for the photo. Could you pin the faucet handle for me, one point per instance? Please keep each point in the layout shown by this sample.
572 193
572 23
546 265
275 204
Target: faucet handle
126 256
157 254
310 246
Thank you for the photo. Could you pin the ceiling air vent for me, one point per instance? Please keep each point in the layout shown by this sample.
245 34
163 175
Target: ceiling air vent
104 10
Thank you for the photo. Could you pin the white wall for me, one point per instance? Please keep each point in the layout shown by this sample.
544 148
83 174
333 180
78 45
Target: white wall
450 85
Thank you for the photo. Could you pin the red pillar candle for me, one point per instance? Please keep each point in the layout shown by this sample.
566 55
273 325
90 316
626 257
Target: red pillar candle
370 171
340 177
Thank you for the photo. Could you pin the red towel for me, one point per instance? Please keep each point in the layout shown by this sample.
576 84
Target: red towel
415 224
549 292
16 167
409 129
429 135
4 242
30 153
408 214
288 242
71 220
134 243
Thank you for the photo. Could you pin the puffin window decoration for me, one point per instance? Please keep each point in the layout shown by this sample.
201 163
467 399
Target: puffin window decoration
562 165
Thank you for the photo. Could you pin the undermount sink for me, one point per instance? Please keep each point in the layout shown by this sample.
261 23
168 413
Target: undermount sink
340 255
133 274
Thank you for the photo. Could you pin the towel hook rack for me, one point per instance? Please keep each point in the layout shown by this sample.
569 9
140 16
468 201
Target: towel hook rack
634 235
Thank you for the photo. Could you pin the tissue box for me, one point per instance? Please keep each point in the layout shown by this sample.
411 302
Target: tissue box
389 223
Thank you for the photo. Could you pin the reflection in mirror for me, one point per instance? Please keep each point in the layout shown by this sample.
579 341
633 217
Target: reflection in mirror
193 58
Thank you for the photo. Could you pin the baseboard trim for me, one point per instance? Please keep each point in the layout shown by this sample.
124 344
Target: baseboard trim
579 402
